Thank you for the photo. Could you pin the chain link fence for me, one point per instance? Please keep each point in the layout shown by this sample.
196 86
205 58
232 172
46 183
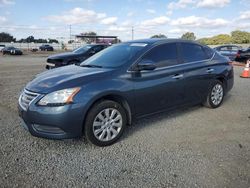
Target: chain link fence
56 46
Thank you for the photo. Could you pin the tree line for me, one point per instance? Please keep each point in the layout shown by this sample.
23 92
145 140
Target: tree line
6 37
236 37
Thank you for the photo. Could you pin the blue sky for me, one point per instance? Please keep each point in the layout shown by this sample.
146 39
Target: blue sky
52 18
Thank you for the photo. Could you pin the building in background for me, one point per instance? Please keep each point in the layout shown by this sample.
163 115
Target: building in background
97 39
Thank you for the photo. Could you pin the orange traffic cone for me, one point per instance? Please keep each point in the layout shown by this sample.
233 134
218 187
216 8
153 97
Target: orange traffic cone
246 73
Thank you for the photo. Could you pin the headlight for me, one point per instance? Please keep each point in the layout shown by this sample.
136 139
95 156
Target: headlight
60 97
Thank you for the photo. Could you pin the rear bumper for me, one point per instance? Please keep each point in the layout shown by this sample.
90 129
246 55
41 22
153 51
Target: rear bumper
54 122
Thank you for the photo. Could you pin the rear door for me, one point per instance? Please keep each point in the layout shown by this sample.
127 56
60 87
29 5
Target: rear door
198 71
161 88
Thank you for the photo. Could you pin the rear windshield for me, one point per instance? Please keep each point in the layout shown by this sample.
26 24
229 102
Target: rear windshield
82 49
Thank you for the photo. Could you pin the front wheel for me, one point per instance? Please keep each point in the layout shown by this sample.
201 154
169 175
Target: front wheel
105 123
215 95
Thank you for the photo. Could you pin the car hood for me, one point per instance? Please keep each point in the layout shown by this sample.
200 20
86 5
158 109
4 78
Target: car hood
64 55
66 77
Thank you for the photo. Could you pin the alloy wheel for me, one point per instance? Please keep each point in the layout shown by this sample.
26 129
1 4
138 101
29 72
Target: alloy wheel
107 124
217 94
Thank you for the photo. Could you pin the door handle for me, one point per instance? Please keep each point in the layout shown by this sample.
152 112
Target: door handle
210 70
177 76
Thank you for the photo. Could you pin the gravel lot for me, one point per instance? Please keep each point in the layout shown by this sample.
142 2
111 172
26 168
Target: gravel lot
194 147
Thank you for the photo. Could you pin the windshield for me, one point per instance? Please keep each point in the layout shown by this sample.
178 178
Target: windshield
82 49
115 56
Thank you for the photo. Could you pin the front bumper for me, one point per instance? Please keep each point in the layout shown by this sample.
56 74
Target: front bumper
53 122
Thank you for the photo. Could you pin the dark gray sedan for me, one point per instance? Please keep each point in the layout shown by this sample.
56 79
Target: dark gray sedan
75 57
11 51
229 51
130 80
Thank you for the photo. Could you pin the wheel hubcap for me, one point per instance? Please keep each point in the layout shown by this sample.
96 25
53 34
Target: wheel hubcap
217 94
107 124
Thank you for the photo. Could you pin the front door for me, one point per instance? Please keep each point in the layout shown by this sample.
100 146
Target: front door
162 88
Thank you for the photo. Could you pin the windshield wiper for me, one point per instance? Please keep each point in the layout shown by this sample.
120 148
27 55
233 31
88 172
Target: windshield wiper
92 66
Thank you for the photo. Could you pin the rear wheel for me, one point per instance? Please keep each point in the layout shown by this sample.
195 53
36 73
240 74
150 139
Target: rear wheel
215 95
105 123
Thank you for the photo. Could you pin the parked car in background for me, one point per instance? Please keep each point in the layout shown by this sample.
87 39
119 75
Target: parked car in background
75 57
34 49
12 51
243 55
229 51
2 46
46 47
129 80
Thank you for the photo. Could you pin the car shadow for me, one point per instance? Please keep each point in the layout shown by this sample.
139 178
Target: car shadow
151 120
167 116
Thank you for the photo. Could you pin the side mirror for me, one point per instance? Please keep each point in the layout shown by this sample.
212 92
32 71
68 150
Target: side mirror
146 65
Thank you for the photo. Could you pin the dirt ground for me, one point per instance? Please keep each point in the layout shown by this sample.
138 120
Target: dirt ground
193 147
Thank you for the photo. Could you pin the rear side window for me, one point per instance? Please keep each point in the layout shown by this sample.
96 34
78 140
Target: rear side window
235 48
163 55
192 52
226 48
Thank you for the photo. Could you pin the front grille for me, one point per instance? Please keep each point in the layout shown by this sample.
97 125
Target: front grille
26 98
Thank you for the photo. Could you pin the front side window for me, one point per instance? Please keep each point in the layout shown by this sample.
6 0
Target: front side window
163 55
192 52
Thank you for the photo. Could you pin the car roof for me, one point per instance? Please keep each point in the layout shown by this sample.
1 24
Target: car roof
161 40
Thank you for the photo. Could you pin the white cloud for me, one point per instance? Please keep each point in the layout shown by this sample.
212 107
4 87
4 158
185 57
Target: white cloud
242 26
151 11
117 28
77 16
34 27
213 3
127 23
6 2
109 20
178 31
245 15
180 4
156 21
2 19
199 22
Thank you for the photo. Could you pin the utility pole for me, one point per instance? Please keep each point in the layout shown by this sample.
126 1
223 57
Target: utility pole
132 32
70 32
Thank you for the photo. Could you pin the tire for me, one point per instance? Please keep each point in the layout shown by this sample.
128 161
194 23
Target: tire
214 99
103 125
